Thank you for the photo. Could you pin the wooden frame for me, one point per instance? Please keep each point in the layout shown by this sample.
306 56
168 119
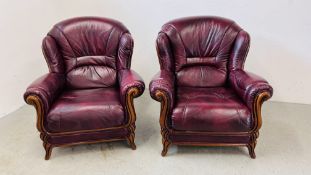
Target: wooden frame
130 125
166 131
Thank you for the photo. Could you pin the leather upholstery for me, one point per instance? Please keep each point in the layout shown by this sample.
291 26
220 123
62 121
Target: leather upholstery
201 48
163 81
52 55
89 60
125 51
87 51
202 61
130 79
248 86
210 109
85 109
165 54
47 88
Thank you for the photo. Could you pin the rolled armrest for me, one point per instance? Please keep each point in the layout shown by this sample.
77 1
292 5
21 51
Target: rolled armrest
163 81
249 86
129 79
46 88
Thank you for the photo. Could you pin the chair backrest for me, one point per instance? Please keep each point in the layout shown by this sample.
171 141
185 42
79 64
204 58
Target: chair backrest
202 50
88 50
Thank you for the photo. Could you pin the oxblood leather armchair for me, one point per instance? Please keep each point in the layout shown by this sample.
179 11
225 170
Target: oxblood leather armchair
206 96
87 96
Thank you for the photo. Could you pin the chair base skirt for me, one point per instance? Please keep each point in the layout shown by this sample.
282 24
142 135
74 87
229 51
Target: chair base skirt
186 139
65 140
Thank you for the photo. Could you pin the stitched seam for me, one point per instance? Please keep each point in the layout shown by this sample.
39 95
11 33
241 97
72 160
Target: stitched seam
108 40
202 74
57 27
45 54
182 42
131 51
223 36
184 114
170 25
232 56
94 65
170 57
118 46
246 52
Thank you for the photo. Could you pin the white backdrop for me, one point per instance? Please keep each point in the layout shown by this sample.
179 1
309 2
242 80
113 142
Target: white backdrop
280 32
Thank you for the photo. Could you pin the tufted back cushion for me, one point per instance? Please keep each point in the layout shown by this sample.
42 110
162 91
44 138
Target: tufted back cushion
201 48
86 50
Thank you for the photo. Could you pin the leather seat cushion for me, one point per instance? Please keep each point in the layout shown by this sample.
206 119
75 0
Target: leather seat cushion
87 109
210 109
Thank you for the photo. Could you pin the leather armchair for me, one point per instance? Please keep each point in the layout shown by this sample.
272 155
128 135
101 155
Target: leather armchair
207 99
87 96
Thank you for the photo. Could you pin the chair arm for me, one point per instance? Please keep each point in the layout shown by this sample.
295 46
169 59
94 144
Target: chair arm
249 86
129 79
46 88
163 81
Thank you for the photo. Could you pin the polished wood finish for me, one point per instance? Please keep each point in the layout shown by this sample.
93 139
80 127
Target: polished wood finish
130 125
166 131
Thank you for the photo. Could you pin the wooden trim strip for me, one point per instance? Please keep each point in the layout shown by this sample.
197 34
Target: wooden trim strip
208 144
87 142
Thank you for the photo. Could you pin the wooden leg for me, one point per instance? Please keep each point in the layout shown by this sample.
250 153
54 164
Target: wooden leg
166 144
251 150
130 141
131 138
41 136
251 146
48 150
165 141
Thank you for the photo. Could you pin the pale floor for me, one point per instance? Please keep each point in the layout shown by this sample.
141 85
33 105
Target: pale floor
283 148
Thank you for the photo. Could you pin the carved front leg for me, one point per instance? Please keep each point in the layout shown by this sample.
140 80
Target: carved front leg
37 103
258 121
251 150
165 141
131 137
132 117
252 145
163 121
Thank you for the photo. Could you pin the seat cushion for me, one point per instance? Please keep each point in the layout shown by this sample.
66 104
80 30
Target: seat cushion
210 109
87 109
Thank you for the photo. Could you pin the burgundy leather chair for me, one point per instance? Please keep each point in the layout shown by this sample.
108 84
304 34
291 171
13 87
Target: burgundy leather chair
207 99
87 96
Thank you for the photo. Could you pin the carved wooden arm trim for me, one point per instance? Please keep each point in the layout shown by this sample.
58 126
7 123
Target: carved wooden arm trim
260 98
37 103
131 93
161 96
